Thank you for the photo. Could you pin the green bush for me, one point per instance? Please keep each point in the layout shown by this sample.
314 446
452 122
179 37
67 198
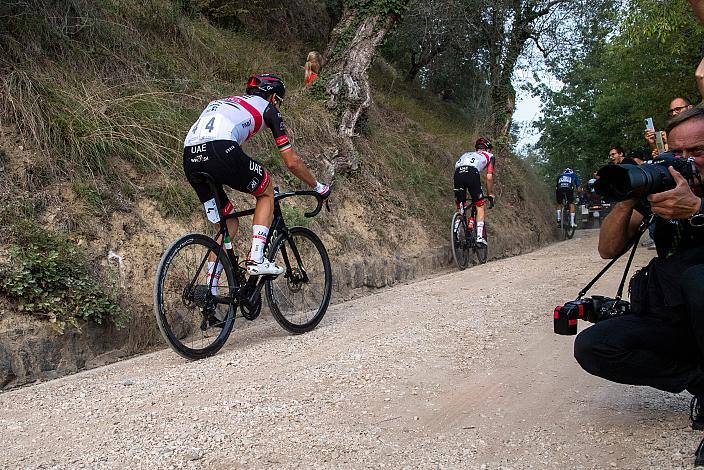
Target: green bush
48 276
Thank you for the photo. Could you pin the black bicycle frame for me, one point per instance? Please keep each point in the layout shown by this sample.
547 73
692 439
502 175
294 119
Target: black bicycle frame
254 284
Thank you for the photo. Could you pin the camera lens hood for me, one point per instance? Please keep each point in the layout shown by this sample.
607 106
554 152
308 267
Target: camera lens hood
620 182
615 182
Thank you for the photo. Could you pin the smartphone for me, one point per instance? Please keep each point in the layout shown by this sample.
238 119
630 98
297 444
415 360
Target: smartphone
659 142
649 124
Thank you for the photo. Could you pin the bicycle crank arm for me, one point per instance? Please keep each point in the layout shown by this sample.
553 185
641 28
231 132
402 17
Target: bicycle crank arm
224 299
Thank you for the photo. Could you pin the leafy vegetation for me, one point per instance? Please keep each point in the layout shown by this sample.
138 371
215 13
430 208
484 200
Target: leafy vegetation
617 81
49 277
105 90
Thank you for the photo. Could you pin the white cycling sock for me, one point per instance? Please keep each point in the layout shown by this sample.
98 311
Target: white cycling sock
559 212
215 276
259 234
480 229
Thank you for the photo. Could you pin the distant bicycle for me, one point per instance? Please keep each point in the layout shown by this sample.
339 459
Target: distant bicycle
464 237
196 312
566 228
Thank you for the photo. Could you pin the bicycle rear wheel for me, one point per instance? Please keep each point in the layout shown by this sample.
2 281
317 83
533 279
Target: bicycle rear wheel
300 296
458 236
481 250
567 221
191 321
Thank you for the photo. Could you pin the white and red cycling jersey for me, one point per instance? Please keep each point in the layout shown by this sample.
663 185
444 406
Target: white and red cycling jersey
479 159
237 118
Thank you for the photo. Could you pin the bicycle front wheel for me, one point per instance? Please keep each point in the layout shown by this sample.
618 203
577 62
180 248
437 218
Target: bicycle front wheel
192 320
458 235
299 297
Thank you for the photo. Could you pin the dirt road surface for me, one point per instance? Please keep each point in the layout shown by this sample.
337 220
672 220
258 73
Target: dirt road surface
457 371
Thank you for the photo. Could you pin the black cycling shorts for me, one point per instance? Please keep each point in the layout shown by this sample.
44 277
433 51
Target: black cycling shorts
225 161
467 180
568 191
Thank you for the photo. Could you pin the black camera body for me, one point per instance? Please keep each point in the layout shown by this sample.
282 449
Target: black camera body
592 309
621 182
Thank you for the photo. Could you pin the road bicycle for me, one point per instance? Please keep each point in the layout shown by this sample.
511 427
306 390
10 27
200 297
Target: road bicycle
566 227
196 311
464 237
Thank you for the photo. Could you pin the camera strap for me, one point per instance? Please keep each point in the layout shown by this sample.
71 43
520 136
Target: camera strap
632 245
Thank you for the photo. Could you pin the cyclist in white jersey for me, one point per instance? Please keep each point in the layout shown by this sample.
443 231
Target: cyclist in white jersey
467 170
213 146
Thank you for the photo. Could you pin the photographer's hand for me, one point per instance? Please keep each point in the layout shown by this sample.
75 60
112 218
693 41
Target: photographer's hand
699 75
677 203
698 7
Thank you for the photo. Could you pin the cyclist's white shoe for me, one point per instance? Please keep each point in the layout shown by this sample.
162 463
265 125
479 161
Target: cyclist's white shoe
481 241
266 267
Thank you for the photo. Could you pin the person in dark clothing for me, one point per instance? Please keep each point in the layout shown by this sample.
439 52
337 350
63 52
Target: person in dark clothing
662 344
617 157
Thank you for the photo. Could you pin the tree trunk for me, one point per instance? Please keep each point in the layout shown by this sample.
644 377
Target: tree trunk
348 57
426 57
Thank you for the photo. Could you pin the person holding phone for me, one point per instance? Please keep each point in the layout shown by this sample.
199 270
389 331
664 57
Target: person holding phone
677 105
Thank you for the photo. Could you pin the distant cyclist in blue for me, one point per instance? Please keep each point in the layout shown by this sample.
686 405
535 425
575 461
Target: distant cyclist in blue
567 183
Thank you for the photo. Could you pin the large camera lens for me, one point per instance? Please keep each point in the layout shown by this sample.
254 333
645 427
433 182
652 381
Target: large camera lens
620 182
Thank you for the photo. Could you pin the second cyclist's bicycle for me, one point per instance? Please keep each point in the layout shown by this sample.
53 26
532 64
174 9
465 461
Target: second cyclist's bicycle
566 227
196 311
464 237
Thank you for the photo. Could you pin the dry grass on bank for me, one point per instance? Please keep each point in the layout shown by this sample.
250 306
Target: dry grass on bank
106 92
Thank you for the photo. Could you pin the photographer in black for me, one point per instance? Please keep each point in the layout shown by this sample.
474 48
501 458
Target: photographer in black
662 344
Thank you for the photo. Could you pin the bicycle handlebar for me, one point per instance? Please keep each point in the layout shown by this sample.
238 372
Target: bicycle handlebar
314 212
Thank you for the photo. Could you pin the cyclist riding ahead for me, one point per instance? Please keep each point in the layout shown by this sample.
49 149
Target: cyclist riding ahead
567 183
212 146
467 170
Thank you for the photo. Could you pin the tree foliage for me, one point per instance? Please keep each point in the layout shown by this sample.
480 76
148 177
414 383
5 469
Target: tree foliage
468 50
617 81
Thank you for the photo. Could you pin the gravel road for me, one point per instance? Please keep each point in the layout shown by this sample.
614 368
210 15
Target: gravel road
457 371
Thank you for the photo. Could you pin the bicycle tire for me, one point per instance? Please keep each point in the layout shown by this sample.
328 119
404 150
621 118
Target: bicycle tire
307 257
481 251
567 227
458 240
180 318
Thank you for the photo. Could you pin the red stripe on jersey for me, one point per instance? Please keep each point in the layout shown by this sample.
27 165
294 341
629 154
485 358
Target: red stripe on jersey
490 167
254 112
282 140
